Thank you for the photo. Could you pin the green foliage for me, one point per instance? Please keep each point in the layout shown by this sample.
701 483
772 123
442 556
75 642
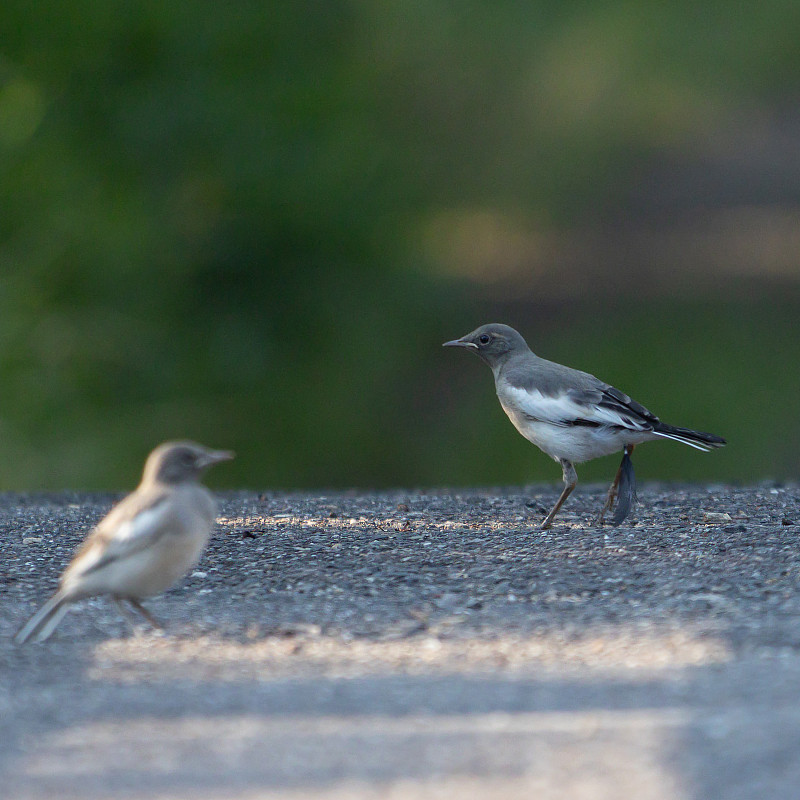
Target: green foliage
727 365
212 217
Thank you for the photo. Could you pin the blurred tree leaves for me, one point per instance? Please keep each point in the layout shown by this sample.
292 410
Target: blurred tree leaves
212 213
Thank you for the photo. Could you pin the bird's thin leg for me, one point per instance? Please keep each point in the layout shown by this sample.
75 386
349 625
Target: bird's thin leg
135 604
570 482
126 612
612 490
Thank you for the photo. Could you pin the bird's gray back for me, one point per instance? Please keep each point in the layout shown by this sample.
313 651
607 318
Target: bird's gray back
530 372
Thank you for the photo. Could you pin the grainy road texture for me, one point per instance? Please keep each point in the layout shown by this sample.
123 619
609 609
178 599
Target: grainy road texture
409 644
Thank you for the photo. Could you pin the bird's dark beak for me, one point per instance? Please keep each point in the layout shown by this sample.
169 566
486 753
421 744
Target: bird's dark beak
460 343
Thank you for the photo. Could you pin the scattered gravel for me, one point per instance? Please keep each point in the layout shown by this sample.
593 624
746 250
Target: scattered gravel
408 643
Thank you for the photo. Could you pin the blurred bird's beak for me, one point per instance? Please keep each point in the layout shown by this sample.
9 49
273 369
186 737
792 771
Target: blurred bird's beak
460 343
215 456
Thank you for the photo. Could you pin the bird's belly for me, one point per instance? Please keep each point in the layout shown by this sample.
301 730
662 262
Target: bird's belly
575 443
151 570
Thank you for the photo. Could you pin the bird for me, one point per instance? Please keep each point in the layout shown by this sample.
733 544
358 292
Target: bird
145 543
570 415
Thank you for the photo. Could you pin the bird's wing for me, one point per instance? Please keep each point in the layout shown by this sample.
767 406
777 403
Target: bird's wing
596 406
606 405
549 392
137 522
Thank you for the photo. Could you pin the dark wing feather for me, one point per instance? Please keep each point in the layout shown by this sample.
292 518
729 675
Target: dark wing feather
628 412
619 401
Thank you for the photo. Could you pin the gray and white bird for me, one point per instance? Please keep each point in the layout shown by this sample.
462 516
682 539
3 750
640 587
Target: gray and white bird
571 415
145 543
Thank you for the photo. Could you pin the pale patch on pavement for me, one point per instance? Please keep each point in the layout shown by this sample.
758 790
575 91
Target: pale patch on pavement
144 658
598 754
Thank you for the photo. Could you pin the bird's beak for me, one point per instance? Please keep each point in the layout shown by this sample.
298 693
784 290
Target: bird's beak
215 456
460 343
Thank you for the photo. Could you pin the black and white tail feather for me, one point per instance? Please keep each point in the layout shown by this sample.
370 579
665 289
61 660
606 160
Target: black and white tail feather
697 439
626 492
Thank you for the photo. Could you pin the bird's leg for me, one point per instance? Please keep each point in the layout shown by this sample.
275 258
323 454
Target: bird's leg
126 612
612 490
570 482
136 605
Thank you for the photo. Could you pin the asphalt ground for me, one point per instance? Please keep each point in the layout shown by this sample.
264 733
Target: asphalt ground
419 644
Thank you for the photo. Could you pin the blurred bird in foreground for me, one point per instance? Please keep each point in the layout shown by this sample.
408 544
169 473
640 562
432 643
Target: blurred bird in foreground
571 415
145 543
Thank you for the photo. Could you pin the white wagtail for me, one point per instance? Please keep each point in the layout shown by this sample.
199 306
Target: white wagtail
571 415
145 543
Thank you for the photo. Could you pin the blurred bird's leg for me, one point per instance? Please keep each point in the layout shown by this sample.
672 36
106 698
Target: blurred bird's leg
570 482
628 493
126 612
135 605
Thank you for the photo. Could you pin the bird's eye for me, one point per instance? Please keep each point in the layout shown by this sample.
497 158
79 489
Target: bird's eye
484 338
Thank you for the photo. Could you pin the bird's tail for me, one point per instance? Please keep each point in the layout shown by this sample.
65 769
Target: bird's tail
44 621
697 439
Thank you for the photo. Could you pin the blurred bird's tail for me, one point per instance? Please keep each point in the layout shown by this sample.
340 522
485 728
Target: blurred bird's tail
44 621
696 439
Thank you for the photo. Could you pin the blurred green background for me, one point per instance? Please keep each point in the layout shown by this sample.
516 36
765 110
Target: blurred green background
254 224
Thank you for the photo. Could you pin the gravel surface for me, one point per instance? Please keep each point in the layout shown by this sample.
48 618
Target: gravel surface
412 644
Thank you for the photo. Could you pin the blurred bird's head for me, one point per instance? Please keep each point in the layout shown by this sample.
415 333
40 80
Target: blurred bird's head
494 342
179 462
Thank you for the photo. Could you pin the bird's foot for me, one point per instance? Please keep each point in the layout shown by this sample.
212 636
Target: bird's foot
611 499
600 519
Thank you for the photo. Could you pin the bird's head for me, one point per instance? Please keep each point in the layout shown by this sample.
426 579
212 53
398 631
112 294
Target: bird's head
494 342
178 462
